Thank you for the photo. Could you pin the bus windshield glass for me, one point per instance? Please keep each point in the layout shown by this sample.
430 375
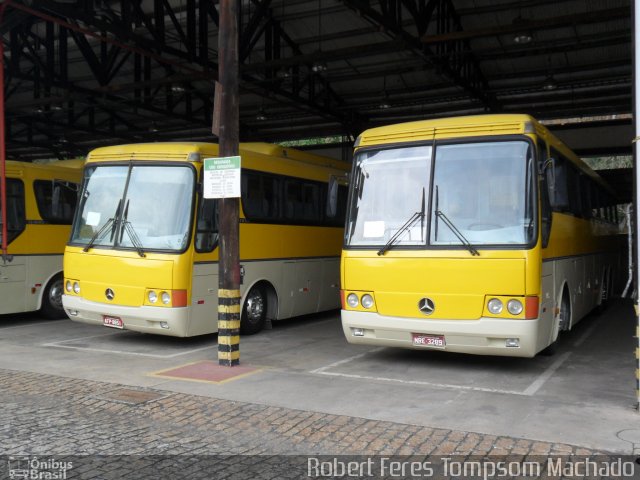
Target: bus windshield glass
388 191
145 207
482 193
485 190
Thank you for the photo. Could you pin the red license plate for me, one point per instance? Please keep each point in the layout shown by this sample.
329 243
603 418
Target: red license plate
425 340
113 322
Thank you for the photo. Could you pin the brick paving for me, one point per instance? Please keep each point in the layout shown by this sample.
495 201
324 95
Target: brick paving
45 415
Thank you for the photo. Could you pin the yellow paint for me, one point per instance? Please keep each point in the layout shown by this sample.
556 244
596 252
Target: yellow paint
228 308
229 324
228 339
229 355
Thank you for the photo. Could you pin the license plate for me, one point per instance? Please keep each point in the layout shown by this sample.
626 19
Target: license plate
113 322
425 340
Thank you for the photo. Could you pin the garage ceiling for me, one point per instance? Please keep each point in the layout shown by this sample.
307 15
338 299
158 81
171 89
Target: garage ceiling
86 73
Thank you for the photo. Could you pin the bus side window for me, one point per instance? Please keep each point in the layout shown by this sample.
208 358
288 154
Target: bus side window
16 219
545 204
56 200
206 226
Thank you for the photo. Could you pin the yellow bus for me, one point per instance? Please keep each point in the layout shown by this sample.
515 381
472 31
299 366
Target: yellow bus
143 250
41 199
480 234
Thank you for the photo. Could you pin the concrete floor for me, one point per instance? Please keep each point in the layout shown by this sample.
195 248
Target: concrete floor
584 395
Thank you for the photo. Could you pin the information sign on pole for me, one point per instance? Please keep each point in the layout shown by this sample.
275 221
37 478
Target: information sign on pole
221 177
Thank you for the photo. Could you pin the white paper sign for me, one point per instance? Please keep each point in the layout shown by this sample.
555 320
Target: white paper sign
221 177
373 229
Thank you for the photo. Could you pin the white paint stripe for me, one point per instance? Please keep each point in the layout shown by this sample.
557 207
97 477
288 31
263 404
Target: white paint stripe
528 392
55 344
52 322
546 375
585 335
121 352
418 382
346 360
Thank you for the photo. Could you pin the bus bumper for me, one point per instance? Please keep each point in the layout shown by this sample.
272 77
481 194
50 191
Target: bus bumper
485 336
161 321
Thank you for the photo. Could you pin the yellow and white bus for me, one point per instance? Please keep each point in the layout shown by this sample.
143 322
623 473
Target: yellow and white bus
481 234
143 251
41 199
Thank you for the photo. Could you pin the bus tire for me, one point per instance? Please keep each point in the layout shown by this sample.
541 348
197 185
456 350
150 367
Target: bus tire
254 311
52 299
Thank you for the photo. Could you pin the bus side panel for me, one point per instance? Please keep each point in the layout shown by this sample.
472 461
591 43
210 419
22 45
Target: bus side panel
204 299
13 291
548 324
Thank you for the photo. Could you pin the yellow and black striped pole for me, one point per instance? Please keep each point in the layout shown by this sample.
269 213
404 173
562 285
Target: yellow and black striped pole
228 327
229 239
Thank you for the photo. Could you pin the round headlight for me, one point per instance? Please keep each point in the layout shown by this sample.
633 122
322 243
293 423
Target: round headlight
514 307
68 286
76 287
367 301
352 300
495 306
166 298
152 296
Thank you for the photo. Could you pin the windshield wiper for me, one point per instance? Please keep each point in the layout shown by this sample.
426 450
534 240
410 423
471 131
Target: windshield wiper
408 224
135 240
456 232
99 234
109 223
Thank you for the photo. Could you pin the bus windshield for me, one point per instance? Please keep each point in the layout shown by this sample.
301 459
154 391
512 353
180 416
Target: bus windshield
482 193
145 207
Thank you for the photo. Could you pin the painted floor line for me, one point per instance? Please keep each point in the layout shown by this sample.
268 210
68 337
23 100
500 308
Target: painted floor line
546 375
530 391
419 382
586 334
346 360
27 325
121 352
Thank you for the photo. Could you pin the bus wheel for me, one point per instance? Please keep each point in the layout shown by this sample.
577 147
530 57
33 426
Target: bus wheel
254 312
52 299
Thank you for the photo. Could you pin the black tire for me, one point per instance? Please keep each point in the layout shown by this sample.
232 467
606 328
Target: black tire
52 299
254 311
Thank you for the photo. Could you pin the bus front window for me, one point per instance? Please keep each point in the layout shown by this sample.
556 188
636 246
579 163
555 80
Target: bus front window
486 190
123 204
389 189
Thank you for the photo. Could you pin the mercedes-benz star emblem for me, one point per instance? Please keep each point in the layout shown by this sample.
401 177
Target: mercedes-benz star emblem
109 294
426 306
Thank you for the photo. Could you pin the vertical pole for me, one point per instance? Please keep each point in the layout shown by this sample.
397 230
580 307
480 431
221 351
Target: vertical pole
229 260
3 159
636 183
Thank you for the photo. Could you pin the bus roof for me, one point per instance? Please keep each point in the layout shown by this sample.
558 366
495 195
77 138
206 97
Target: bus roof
451 127
184 151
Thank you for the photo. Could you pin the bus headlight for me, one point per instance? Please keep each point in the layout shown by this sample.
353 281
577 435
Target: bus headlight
514 306
367 301
76 287
68 286
495 306
352 300
152 296
166 298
